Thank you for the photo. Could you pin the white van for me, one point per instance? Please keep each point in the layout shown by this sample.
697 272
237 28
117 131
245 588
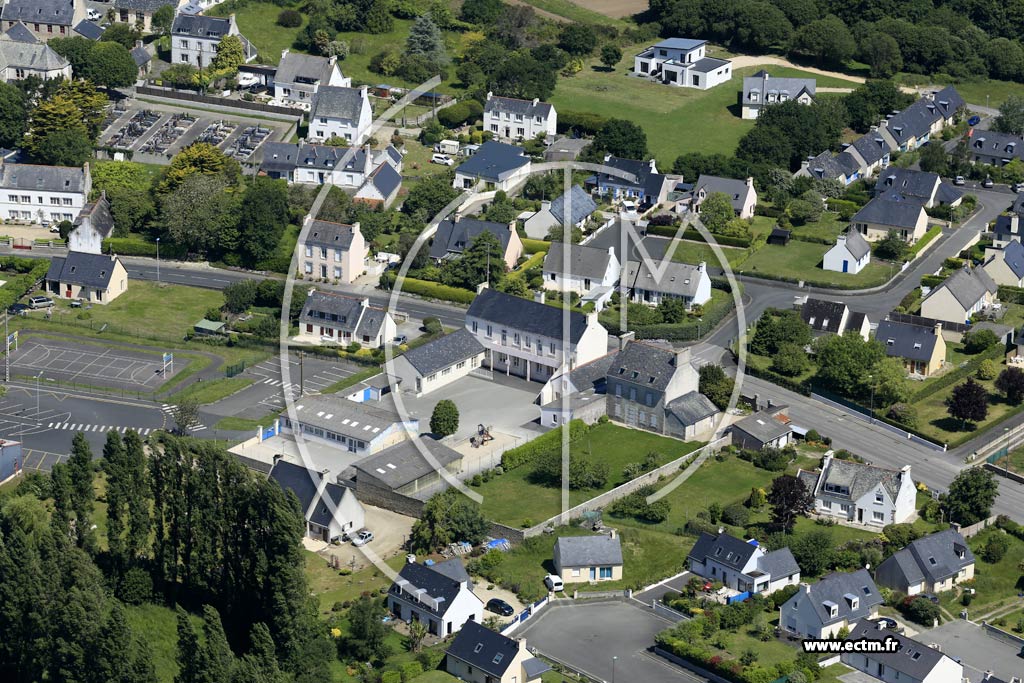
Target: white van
554 583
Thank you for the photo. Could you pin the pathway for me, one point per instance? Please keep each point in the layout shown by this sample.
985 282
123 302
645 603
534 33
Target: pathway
760 60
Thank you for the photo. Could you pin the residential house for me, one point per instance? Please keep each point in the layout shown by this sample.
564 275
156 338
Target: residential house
849 255
552 214
670 280
763 429
566 148
843 167
401 477
930 564
926 188
93 225
140 12
340 112
961 295
643 379
825 317
840 600
331 511
456 234
915 125
682 62
439 596
143 60
527 338
480 655
299 77
195 38
95 278
344 167
45 18
1005 229
921 349
649 187
741 193
742 566
578 394
20 58
439 362
333 251
358 428
908 660
690 416
994 148
344 320
592 273
497 165
861 493
381 187
871 153
883 215
42 194
762 90
1006 266
580 559
512 119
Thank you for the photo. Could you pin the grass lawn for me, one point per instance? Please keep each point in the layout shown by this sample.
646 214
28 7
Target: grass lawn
934 420
158 626
688 251
574 12
417 160
257 21
330 586
802 261
607 443
211 392
997 582
242 424
435 677
828 226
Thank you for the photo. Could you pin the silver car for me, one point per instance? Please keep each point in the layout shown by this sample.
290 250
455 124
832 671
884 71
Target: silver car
362 538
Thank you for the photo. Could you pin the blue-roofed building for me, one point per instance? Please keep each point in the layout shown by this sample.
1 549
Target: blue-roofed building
552 213
1006 266
682 62
498 165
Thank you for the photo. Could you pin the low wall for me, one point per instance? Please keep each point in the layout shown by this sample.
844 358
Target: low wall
183 96
369 494
690 666
1000 634
528 613
1003 472
666 612
974 529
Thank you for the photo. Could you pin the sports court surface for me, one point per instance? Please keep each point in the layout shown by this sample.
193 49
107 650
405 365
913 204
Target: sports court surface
88 364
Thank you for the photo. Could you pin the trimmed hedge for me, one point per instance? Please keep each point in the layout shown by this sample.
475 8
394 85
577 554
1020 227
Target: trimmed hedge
695 236
29 272
433 290
958 374
1011 295
531 451
932 280
813 239
769 211
932 233
846 209
532 246
131 246
581 121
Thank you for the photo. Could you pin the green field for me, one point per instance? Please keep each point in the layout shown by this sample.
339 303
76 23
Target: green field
574 12
242 424
689 251
974 92
158 626
211 392
802 261
257 21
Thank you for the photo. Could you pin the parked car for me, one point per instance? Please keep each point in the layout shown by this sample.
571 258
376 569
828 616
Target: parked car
629 208
987 183
362 538
93 15
54 228
401 339
40 302
499 606
18 309
1019 187
554 582
442 159
959 180
886 622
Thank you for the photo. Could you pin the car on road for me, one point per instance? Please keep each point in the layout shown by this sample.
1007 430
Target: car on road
442 159
554 583
55 228
362 538
18 309
40 302
959 180
401 339
987 183
93 15
499 606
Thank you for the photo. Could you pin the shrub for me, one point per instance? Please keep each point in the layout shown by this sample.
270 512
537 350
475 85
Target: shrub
987 369
289 18
995 548
812 436
977 341
531 451
736 515
136 587
921 610
903 413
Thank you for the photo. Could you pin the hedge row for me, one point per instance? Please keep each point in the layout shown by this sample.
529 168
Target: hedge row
813 239
932 233
129 246
775 378
531 246
1011 295
932 280
769 211
687 331
29 272
694 235
531 451
580 121
432 290
958 374
725 668
845 209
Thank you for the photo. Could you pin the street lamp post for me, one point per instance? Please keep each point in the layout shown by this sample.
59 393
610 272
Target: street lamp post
871 379
158 261
614 659
1006 433
38 377
699 321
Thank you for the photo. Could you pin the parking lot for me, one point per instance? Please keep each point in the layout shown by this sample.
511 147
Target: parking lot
978 651
67 361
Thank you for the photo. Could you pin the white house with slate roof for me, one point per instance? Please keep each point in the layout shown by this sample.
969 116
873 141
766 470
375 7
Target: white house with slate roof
930 564
682 62
849 255
670 280
439 596
742 566
837 601
921 349
319 164
95 278
909 660
650 188
1006 266
915 125
762 90
359 428
843 167
552 214
92 226
741 193
402 471
340 112
21 56
497 165
381 187
330 510
456 234
42 194
581 559
45 18
591 271
525 338
439 362
824 317
480 655
961 295
576 395
332 251
335 318
299 77
861 493
883 215
767 428
195 38
511 119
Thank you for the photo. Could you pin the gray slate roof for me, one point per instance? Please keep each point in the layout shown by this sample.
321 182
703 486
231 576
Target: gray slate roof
344 313
967 286
98 213
85 270
337 102
587 551
516 106
522 314
87 29
680 43
644 365
1007 226
581 205
649 181
483 649
856 244
907 182
454 237
679 279
902 340
330 235
691 408
49 178
762 83
778 563
141 56
403 463
724 549
357 420
913 659
839 588
144 5
827 166
992 143
935 557
708 64
386 179
56 12
1013 255
823 316
284 156
763 427
21 33
435 584
736 190
35 56
913 122
200 26
890 212
860 478
494 159
298 67
871 147
585 262
444 352
304 484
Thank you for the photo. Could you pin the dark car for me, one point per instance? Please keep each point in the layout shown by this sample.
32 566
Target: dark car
987 183
18 309
499 606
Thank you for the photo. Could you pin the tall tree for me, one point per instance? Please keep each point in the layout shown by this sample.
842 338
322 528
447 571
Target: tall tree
426 39
1011 116
204 159
200 214
216 659
13 115
444 421
716 385
789 499
189 652
716 211
621 138
138 505
483 261
119 492
610 56
230 54
842 360
971 496
367 640
83 496
968 402
827 40
263 219
577 39
111 65
1011 383
882 53
121 33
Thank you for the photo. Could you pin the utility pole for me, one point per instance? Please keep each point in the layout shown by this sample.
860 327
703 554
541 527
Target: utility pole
302 391
7 352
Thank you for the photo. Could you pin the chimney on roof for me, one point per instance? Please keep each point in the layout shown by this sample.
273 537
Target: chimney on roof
490 95
521 644
536 101
323 473
805 163
682 357
278 457
750 181
481 287
938 329
457 216
365 303
545 205
539 296
625 339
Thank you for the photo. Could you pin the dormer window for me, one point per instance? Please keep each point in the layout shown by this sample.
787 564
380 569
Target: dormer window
754 95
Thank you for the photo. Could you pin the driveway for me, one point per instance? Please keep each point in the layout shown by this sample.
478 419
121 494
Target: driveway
978 651
597 636
676 583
